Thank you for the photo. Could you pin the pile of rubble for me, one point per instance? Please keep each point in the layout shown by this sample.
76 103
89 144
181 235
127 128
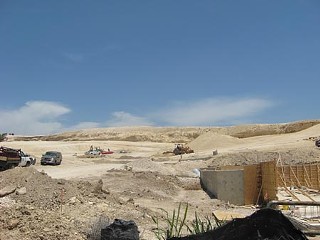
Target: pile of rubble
35 206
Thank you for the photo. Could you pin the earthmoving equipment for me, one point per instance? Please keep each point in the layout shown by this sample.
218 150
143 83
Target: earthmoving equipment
180 149
97 151
10 158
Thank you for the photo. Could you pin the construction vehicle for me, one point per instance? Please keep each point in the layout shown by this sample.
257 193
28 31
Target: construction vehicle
97 152
52 158
181 149
27 160
10 158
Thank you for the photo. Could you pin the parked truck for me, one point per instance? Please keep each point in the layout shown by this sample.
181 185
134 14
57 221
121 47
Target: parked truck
10 158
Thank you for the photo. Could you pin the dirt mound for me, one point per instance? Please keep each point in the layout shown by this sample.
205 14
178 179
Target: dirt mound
35 211
245 131
158 187
289 156
46 208
147 165
310 133
53 209
212 140
41 190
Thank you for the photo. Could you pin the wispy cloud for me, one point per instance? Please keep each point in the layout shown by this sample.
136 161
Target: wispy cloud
121 119
74 57
77 57
85 125
35 117
211 111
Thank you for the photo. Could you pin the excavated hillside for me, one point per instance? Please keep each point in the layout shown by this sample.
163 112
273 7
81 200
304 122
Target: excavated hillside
172 134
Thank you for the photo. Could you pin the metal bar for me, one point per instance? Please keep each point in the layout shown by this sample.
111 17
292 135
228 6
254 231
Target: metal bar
302 203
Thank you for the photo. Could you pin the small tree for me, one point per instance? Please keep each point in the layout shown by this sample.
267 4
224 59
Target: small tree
3 137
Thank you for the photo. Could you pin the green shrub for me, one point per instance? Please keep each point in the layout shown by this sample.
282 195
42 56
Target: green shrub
175 224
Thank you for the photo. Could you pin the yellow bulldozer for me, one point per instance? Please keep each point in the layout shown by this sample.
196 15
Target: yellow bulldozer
181 149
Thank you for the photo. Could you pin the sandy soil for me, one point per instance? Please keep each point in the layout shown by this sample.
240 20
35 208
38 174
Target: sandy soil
138 180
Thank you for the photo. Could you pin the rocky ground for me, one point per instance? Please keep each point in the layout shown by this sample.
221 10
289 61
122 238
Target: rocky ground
138 181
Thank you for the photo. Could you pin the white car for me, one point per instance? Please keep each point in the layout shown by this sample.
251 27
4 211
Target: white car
93 153
27 160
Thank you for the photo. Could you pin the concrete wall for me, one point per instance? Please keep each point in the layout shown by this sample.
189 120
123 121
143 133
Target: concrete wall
226 185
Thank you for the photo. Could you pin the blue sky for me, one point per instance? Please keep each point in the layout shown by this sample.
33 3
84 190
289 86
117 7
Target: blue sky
79 64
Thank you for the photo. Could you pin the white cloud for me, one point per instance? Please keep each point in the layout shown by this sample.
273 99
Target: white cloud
121 119
35 117
43 117
211 111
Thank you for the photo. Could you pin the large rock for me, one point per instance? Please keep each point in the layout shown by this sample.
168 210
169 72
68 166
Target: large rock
7 190
21 191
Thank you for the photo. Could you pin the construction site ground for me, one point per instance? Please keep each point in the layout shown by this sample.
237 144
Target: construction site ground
136 182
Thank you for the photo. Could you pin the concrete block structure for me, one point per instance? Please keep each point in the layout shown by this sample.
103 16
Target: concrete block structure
257 183
226 185
241 185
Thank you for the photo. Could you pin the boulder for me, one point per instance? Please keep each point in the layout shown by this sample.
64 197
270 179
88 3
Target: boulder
7 190
21 191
